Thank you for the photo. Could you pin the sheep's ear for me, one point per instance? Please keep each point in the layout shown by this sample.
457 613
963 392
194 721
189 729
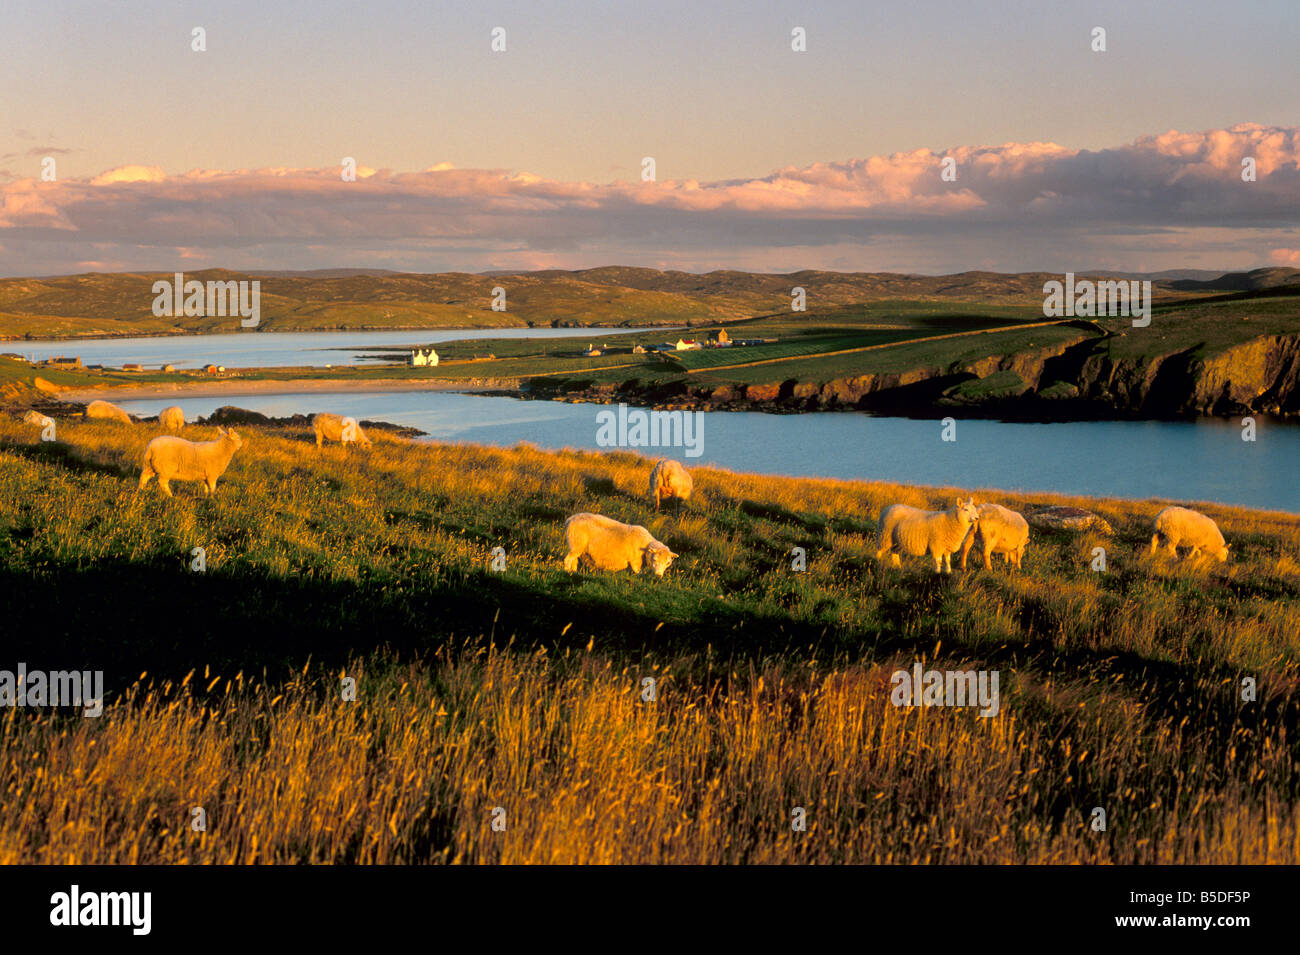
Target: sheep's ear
672 555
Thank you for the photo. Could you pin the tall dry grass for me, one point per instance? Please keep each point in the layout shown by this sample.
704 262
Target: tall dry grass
523 690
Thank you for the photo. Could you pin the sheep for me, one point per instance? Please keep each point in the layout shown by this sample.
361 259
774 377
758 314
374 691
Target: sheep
1001 531
38 419
175 459
110 412
172 419
610 545
916 532
1180 525
670 479
337 428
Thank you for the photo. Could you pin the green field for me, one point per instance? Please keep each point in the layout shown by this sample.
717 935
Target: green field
521 687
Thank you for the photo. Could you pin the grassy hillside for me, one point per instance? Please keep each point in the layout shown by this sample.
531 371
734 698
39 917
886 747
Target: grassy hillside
99 304
521 689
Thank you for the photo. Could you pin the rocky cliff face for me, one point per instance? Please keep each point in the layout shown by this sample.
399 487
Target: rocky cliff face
1079 378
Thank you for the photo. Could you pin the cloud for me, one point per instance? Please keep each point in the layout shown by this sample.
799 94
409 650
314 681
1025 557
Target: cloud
130 174
1167 199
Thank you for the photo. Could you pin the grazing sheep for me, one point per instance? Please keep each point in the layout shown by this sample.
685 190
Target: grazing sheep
1180 525
38 419
107 411
916 532
337 428
175 459
1001 531
609 545
172 419
670 479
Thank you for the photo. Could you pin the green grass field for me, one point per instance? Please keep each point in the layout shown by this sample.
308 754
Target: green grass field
521 688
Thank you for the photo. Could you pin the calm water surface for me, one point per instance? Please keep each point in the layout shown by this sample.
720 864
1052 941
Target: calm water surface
267 349
1201 461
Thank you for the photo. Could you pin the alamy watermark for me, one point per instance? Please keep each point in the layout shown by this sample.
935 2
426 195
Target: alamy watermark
1088 299
638 428
84 688
946 688
215 299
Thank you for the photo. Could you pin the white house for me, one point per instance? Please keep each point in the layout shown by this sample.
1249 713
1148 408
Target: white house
420 360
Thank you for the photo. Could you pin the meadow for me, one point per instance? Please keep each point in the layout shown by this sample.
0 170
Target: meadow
523 688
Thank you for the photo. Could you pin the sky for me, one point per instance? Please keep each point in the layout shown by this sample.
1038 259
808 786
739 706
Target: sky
766 158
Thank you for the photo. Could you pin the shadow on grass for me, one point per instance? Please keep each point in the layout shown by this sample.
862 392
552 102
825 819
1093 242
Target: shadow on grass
65 456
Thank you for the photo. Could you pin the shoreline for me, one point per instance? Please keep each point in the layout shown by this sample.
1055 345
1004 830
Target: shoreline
1018 412
111 336
288 386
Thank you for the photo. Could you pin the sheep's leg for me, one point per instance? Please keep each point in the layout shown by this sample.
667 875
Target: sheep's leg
320 440
165 485
635 562
966 545
571 561
1155 541
145 475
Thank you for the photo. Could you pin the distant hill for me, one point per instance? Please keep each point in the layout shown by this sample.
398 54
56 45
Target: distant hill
111 304
1252 281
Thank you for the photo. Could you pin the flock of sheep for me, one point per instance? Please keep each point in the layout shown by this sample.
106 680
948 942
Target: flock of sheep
607 544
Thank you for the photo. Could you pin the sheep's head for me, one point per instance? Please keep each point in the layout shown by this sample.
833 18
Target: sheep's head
1221 553
967 512
231 437
660 557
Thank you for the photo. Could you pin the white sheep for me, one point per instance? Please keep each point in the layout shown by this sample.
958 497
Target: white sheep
1001 531
1181 525
337 428
610 545
916 532
107 411
670 480
172 419
175 459
38 419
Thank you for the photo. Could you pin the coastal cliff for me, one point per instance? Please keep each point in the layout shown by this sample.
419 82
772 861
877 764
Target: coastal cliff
1084 378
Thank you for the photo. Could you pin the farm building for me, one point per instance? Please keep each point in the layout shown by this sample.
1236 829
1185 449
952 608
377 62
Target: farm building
421 360
592 352
132 366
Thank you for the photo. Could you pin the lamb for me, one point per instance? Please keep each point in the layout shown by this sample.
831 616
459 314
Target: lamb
38 419
175 459
172 419
337 428
1001 531
916 532
610 545
107 411
1180 525
670 480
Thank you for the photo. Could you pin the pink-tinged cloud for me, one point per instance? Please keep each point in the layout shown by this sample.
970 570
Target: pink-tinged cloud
1289 257
1174 194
